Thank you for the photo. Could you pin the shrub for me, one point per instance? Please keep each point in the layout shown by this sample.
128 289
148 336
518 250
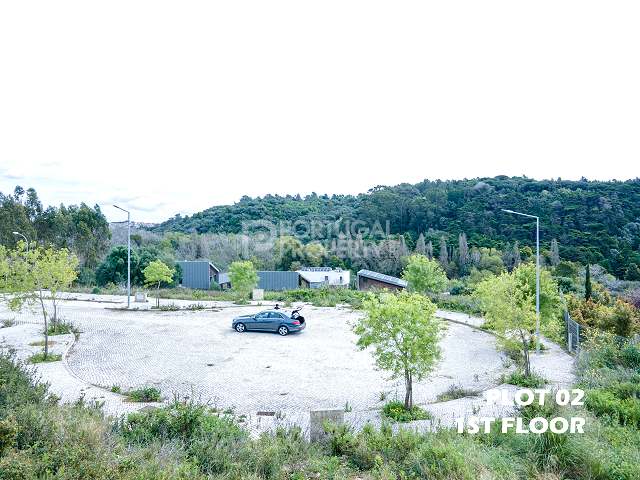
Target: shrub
61 328
602 402
519 379
456 391
42 358
396 411
144 394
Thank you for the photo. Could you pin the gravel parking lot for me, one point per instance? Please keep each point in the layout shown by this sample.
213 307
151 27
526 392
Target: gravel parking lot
196 354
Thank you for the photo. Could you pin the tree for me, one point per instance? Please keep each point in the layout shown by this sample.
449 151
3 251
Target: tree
444 253
463 254
314 254
424 275
157 273
243 277
429 250
28 276
287 250
588 289
421 247
554 253
114 267
508 301
404 334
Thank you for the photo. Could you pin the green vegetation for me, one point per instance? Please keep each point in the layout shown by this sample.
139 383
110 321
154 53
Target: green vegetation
404 335
424 275
244 279
31 276
593 221
144 394
398 412
456 391
39 438
62 328
510 306
155 274
44 358
524 380
320 297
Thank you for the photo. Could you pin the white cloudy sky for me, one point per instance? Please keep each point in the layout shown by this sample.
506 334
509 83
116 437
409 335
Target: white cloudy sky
170 107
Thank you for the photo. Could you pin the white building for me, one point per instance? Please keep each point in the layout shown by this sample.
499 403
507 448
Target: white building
317 277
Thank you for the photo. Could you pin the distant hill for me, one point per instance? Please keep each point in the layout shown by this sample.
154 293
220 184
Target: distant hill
593 221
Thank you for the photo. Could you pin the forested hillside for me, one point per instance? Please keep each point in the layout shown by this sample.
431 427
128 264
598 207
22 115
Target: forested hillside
593 221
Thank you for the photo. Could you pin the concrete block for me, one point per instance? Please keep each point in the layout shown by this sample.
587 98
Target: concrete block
141 297
257 294
317 419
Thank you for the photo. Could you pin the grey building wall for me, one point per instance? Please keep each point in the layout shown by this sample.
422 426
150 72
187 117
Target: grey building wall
197 274
273 280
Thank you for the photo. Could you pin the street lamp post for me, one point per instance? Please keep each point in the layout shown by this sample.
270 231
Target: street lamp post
537 273
25 239
128 254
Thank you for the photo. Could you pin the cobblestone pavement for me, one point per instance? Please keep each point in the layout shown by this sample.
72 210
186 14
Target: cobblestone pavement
196 354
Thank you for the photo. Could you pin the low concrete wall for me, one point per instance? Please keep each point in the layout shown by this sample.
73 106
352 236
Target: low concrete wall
317 418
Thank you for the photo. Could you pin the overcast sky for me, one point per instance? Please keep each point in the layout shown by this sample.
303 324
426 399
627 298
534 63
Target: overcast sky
172 107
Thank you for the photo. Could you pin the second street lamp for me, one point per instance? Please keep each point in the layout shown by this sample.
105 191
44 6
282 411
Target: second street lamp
25 239
537 272
128 254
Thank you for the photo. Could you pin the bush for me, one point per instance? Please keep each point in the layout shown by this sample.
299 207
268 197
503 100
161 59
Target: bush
625 411
519 379
61 328
456 391
42 358
144 394
397 411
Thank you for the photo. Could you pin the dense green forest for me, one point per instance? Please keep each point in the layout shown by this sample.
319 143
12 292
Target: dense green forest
459 222
593 221
80 228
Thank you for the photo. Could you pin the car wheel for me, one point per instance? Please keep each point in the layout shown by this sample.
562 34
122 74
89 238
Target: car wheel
240 327
283 330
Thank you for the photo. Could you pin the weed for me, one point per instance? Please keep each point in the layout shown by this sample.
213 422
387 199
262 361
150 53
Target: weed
42 358
144 394
456 391
7 322
519 379
62 328
397 411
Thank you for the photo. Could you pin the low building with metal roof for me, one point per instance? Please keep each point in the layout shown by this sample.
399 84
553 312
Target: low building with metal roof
198 274
317 277
369 280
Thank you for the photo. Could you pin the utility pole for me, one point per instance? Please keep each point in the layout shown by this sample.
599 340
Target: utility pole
128 254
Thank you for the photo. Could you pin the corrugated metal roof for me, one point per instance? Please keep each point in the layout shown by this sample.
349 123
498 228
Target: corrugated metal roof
383 278
223 278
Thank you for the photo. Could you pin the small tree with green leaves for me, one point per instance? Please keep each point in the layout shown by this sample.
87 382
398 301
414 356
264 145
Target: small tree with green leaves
36 276
404 334
155 274
243 277
424 275
509 303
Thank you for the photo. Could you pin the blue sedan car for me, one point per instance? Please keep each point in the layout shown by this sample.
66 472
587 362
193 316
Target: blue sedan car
270 321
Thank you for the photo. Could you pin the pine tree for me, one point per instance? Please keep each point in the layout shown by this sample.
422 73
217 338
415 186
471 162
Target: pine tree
463 253
421 248
555 253
517 260
588 291
444 252
429 249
